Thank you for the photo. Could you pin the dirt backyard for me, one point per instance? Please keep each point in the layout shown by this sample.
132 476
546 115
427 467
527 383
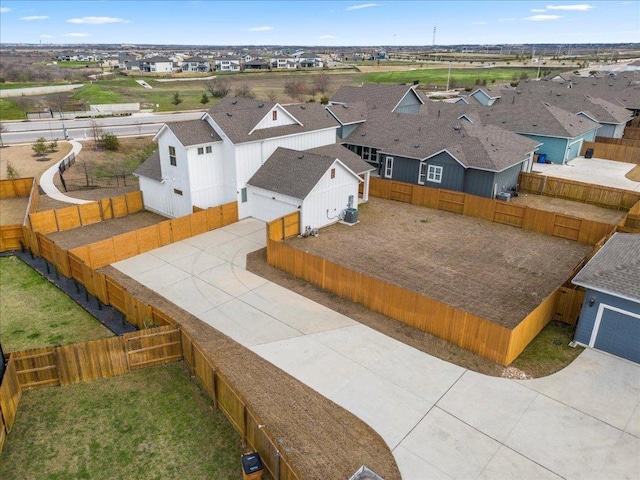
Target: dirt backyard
569 207
26 163
495 271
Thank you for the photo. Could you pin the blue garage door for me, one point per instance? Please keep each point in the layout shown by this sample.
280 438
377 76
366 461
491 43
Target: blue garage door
619 334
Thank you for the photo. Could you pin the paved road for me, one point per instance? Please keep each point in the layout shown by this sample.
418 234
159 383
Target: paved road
440 420
137 124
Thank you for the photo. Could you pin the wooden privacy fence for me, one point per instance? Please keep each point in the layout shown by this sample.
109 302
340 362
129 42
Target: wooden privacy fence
550 223
613 151
629 142
75 216
16 187
12 236
607 197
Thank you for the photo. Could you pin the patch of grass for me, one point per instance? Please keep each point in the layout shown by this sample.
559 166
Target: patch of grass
10 110
634 174
34 313
549 352
149 424
461 76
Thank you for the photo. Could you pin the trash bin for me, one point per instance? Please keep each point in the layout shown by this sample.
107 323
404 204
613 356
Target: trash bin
588 153
542 158
251 466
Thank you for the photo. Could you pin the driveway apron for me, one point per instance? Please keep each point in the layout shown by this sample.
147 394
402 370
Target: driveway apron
440 420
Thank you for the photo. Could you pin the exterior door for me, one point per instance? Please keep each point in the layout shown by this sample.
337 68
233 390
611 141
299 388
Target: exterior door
617 331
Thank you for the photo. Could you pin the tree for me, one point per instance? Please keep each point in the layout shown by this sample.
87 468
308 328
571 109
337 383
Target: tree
40 147
321 83
218 88
109 141
244 91
12 172
176 99
295 89
96 131
205 99
52 146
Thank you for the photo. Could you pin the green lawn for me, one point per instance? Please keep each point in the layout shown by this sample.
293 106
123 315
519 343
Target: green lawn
34 313
153 423
459 76
10 110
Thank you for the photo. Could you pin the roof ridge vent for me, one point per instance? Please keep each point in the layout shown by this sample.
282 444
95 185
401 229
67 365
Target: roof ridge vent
261 105
233 102
229 114
300 156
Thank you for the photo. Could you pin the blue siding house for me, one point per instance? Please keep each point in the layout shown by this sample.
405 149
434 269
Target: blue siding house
610 315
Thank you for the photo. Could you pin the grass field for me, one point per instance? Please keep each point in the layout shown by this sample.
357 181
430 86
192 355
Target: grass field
153 423
34 313
459 76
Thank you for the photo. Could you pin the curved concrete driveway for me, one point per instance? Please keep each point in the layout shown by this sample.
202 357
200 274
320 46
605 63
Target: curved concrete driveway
440 420
46 179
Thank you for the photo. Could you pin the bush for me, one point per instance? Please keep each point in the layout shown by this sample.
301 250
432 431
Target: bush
12 172
109 141
324 100
52 146
205 99
40 147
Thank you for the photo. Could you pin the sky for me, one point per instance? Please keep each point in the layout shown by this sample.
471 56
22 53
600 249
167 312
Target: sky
312 23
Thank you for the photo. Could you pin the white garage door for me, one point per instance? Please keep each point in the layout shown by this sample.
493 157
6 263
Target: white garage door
267 209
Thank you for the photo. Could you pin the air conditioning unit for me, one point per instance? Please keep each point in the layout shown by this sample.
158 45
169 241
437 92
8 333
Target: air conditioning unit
504 196
351 215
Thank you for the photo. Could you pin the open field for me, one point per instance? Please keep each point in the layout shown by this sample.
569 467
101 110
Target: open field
491 270
34 313
151 423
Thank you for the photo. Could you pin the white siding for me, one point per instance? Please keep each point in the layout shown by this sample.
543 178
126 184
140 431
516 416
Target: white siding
282 118
328 199
267 206
155 195
175 177
206 178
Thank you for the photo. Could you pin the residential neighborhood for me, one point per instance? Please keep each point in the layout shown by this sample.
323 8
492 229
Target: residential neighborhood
319 248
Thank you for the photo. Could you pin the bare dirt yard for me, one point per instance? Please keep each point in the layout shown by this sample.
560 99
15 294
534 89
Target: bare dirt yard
495 271
26 163
569 207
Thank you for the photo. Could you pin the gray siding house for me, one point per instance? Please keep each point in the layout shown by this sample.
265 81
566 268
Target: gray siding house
610 315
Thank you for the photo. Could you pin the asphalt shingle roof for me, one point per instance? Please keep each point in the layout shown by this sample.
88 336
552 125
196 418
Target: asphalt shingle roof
354 112
150 168
346 156
376 96
615 269
291 172
194 132
238 116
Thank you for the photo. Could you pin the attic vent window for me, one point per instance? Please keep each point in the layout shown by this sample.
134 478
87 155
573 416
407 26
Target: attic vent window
274 115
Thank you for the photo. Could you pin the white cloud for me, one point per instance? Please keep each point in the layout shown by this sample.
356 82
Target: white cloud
35 17
542 18
5 9
479 23
97 20
538 10
507 19
363 5
78 35
261 29
583 7
326 37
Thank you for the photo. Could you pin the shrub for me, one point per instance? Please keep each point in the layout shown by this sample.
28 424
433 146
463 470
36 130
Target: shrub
205 99
40 147
12 172
109 141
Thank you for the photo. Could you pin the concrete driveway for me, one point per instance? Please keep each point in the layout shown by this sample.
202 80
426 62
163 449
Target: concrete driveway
440 420
592 170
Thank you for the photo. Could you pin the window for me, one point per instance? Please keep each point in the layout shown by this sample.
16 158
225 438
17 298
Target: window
274 115
388 167
434 174
172 156
200 150
422 173
177 192
243 194
365 153
209 149
333 173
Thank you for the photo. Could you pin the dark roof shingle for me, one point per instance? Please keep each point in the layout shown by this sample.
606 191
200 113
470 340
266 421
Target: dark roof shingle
151 168
193 132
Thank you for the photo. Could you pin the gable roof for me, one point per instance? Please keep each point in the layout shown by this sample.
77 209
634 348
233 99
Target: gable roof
237 117
484 147
354 112
615 269
292 172
376 96
346 156
193 132
151 168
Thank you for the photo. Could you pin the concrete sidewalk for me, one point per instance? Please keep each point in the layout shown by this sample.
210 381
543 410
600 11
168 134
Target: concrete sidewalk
46 180
440 420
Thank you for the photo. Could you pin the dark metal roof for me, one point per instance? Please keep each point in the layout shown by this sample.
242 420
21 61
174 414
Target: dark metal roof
615 269
150 168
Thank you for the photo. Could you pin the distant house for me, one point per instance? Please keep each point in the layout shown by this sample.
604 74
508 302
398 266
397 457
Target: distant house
128 62
156 65
310 61
208 162
256 64
610 315
284 62
196 64
320 186
227 64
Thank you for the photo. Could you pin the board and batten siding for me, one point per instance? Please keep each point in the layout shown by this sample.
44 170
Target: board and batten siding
588 313
156 196
282 118
207 180
408 169
409 104
329 198
553 147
